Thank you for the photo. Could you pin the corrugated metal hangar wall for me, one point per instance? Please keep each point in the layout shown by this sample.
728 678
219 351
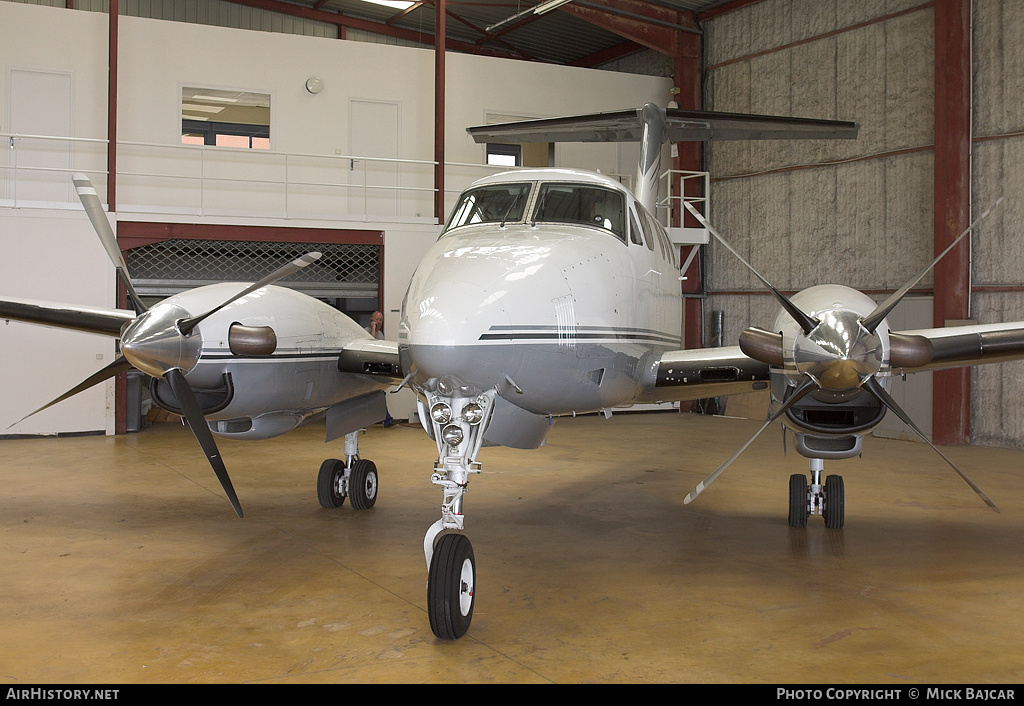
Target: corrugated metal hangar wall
862 214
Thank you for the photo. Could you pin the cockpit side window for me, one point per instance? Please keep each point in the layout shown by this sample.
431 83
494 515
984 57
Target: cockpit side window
645 219
583 204
496 203
635 233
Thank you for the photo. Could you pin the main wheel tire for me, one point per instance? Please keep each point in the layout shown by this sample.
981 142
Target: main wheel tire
798 500
835 502
451 586
362 484
331 471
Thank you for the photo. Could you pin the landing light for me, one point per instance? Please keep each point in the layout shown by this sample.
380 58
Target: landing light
441 413
473 413
452 435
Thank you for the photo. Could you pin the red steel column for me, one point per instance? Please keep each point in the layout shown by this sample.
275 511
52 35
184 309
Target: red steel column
112 108
688 158
951 406
120 381
439 47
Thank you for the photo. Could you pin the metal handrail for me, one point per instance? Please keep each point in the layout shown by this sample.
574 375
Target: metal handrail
667 202
285 160
90 164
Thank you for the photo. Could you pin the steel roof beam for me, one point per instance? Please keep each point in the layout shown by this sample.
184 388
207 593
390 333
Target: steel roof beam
652 26
336 18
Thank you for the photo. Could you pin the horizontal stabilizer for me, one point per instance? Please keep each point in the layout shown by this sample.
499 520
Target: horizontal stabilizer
680 126
105 322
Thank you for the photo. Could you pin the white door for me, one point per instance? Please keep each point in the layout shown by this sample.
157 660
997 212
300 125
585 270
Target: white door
374 133
39 103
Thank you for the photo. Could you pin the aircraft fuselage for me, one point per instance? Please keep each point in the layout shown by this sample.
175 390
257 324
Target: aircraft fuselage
556 310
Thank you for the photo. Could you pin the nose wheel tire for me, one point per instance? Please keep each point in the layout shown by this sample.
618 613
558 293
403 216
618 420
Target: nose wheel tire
835 502
328 482
451 586
798 509
362 484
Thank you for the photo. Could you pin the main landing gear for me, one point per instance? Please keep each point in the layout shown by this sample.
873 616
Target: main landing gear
805 499
456 419
354 478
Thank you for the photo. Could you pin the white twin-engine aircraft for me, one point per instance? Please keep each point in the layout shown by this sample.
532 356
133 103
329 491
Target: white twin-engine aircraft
550 292
553 291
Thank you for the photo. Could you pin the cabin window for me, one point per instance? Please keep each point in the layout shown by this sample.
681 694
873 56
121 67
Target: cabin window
497 203
586 205
653 230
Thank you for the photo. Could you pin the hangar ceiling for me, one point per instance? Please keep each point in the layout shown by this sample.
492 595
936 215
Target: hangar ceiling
578 32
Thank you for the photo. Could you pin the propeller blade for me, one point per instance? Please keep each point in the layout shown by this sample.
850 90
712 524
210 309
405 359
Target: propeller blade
872 320
118 366
197 423
186 326
808 386
875 388
807 323
94 209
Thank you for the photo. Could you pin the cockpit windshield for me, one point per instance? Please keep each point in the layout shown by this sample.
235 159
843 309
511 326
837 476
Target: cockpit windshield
496 203
594 206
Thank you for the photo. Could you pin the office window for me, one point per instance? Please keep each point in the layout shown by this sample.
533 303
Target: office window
505 155
225 118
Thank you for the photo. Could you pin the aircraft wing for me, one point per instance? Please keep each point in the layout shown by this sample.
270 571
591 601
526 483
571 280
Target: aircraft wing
957 346
90 319
368 356
702 372
680 126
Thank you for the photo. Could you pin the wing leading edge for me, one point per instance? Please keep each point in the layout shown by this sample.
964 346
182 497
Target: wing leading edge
957 346
702 372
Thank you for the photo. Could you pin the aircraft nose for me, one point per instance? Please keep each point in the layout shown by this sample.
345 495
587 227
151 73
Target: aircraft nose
446 325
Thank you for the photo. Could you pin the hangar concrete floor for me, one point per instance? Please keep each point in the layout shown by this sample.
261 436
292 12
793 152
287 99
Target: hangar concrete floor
122 562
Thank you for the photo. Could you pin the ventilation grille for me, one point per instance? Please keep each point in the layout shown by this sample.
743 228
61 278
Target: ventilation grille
172 266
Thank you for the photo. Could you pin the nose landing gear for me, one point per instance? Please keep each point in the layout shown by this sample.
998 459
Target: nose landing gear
456 420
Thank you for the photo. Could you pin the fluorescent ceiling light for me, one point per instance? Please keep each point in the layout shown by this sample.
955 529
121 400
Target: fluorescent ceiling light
543 8
549 6
193 108
214 99
396 4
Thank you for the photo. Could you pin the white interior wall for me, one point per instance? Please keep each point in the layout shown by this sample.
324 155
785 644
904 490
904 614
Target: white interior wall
156 58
